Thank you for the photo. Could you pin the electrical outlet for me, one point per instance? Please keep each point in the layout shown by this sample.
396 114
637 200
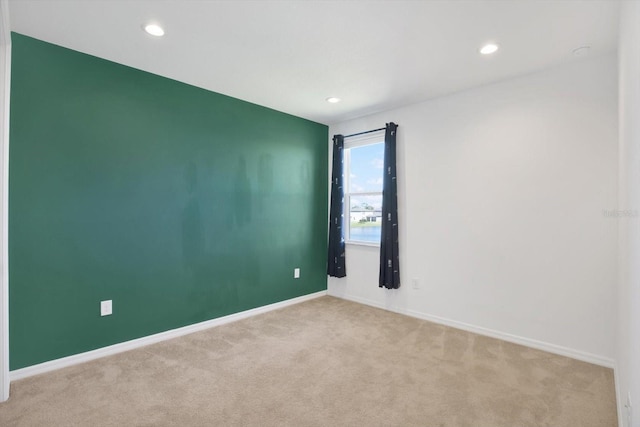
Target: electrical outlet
296 273
415 283
106 307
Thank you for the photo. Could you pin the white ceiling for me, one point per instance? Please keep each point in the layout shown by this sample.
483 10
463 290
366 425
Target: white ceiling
292 55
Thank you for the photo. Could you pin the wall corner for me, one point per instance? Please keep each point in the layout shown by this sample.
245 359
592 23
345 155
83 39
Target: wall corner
5 78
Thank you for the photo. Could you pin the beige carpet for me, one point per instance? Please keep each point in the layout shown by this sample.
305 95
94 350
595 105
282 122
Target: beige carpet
325 362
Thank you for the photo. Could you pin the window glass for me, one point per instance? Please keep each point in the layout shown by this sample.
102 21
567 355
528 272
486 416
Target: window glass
363 196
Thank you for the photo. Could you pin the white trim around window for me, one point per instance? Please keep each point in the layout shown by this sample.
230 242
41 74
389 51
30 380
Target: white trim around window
354 142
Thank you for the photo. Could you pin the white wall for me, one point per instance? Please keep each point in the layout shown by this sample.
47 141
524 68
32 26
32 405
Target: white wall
5 71
628 357
502 190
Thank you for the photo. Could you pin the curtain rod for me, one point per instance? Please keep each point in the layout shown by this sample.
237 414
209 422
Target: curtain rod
365 132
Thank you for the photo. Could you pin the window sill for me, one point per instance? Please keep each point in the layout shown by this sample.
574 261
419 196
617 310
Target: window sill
368 244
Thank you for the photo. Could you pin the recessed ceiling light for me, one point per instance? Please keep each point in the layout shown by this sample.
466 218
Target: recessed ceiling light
333 100
489 48
154 30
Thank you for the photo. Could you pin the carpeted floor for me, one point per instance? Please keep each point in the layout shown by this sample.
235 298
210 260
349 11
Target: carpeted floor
325 362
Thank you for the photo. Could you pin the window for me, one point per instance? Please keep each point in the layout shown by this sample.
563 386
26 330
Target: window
363 166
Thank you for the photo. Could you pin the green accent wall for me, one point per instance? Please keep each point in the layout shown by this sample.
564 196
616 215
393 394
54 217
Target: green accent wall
179 204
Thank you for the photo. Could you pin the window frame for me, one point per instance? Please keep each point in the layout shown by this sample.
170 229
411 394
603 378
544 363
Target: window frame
349 143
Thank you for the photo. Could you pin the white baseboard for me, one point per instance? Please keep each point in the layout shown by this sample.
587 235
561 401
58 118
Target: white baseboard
152 339
528 342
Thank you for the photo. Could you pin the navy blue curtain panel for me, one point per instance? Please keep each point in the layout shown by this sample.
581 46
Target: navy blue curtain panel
335 259
389 258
